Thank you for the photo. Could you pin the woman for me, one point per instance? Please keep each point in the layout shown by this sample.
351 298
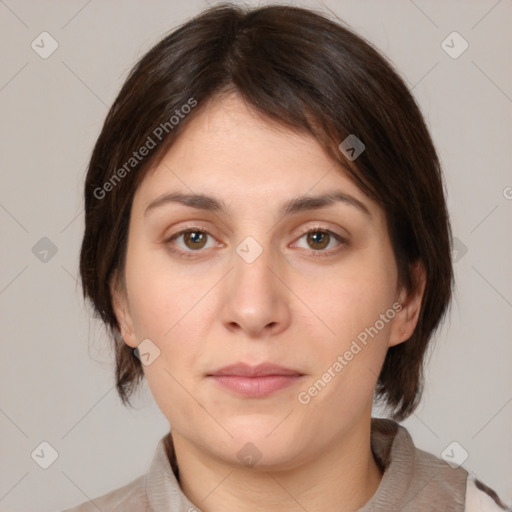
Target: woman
268 242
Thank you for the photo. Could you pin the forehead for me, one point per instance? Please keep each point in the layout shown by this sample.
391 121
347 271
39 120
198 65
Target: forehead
233 151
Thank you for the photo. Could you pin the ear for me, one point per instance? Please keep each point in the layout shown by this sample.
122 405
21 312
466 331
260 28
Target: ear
406 319
121 310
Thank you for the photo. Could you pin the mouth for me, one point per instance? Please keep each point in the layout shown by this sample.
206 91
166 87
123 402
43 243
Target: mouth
255 381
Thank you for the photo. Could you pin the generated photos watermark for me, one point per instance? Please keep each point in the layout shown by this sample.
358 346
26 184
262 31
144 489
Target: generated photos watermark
137 156
305 397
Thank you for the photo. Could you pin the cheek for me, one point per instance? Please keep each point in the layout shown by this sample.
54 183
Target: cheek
350 297
350 300
348 362
162 295
170 307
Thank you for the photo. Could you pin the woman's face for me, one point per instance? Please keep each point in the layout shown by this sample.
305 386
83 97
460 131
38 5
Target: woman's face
253 282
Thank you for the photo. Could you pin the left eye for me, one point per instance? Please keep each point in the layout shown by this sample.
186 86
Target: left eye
319 239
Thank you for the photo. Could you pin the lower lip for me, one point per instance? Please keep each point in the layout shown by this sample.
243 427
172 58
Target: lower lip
256 386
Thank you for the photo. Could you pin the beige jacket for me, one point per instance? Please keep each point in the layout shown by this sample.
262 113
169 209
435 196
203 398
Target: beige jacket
413 481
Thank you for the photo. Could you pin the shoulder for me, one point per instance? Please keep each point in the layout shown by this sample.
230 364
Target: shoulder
414 479
157 489
480 498
129 498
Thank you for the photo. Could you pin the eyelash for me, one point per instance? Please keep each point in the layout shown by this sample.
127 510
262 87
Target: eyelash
319 253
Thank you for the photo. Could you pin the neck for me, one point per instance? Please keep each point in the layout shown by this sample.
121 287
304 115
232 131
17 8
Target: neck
341 479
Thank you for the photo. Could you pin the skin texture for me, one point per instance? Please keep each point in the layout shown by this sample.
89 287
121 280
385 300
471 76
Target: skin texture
287 307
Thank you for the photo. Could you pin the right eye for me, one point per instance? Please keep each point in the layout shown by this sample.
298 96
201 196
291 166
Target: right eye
192 240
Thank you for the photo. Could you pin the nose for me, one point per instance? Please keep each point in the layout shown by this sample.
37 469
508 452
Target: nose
255 300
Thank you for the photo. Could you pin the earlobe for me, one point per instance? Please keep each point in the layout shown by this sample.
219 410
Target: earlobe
121 310
406 319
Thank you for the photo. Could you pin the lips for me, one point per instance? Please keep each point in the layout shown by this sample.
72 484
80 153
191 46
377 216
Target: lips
255 381
261 370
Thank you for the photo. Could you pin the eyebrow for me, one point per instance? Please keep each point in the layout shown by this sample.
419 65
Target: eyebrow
292 206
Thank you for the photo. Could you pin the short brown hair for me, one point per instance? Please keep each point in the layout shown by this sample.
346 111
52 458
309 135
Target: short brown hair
312 75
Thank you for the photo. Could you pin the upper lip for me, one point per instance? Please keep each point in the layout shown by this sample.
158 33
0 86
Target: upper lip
246 370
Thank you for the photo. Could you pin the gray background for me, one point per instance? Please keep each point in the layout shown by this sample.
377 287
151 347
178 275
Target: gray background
56 366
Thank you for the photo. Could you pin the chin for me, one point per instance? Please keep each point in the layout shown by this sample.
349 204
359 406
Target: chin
260 438
259 427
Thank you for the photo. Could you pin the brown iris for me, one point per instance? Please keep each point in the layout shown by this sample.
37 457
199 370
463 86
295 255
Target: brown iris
197 238
318 238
